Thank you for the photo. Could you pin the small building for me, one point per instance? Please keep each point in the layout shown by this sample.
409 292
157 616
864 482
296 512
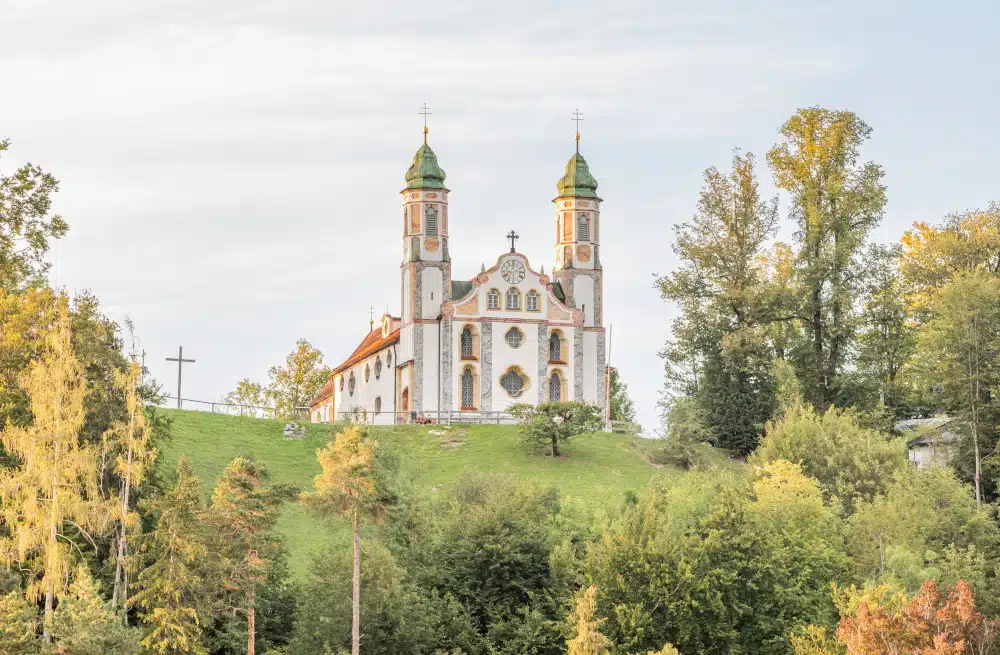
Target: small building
931 441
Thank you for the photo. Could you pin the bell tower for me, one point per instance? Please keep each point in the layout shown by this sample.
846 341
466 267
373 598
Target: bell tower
578 229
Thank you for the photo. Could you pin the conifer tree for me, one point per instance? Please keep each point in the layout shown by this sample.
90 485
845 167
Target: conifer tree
135 455
588 640
171 590
18 625
55 487
245 509
83 624
347 486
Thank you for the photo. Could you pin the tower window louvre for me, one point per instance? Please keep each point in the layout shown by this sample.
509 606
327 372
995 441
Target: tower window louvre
432 222
583 228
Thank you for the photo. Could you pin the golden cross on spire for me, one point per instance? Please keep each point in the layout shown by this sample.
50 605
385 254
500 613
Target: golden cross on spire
425 111
577 117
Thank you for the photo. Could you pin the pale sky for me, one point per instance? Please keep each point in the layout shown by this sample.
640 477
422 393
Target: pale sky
230 168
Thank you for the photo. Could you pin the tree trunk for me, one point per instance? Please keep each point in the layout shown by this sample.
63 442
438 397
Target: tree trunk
555 446
251 624
51 550
356 596
119 591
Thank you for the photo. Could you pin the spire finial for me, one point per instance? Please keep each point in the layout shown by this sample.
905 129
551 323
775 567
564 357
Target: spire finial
577 117
371 318
425 111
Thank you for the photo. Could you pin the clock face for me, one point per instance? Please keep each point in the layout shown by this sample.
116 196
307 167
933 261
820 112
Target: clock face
512 271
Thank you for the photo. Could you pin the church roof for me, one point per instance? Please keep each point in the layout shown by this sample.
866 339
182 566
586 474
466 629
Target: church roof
577 182
324 393
370 345
425 173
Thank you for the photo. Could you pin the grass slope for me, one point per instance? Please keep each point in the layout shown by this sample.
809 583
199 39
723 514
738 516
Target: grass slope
597 470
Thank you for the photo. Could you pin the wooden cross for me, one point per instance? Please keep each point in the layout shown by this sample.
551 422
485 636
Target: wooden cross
180 362
513 236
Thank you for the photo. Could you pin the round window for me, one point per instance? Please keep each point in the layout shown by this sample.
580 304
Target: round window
514 337
512 382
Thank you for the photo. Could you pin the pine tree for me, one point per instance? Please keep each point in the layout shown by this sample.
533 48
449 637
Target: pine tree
347 486
245 509
18 625
83 624
131 439
588 640
56 486
172 589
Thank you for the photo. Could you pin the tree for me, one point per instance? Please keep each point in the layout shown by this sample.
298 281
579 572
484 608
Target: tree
245 509
835 201
83 624
347 485
55 487
726 301
850 462
296 383
556 423
249 395
172 593
131 438
960 351
18 625
931 623
588 639
622 407
26 226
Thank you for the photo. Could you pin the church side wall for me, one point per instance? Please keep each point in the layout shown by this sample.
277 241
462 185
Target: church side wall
524 357
426 368
366 393
583 295
590 365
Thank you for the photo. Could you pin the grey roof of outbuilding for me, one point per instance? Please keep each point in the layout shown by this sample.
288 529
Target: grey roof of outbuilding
459 288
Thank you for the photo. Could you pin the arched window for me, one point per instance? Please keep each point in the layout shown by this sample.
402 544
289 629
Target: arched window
405 400
468 389
341 382
582 228
432 221
388 359
555 388
532 301
514 337
350 384
368 373
513 299
512 382
378 367
466 340
493 299
568 256
555 348
378 404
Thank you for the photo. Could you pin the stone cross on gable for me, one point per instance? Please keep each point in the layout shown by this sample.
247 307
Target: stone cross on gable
513 236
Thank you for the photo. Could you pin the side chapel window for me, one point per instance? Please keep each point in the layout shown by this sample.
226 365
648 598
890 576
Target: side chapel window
468 389
555 388
467 343
555 348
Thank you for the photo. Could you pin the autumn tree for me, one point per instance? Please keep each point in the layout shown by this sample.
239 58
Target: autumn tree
54 489
588 639
347 486
553 424
245 509
18 625
960 352
835 201
26 224
722 289
135 455
249 395
172 594
296 383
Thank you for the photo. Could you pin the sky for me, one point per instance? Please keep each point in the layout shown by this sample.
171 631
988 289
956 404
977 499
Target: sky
230 169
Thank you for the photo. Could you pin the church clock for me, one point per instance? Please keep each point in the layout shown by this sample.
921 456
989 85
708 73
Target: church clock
512 271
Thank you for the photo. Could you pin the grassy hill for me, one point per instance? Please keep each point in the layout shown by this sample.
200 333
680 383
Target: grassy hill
598 469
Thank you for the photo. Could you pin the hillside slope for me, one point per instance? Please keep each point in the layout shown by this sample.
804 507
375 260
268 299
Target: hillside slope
597 469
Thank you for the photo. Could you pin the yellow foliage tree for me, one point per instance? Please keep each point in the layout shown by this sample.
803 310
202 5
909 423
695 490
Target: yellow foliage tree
588 640
55 486
347 486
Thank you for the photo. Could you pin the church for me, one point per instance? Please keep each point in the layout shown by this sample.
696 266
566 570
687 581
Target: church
468 349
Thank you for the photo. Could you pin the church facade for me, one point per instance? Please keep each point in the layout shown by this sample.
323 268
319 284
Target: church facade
468 349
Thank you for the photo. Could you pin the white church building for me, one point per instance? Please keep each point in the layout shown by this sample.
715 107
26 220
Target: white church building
468 349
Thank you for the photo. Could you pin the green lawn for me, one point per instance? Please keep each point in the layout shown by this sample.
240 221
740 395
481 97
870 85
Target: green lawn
597 469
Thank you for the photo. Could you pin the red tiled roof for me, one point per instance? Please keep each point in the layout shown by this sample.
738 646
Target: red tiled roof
370 345
324 393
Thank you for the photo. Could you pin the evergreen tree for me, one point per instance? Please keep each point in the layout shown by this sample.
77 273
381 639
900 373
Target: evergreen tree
172 591
55 488
347 485
18 625
83 624
244 511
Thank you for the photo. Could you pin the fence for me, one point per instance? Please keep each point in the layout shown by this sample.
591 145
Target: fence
429 417
234 409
